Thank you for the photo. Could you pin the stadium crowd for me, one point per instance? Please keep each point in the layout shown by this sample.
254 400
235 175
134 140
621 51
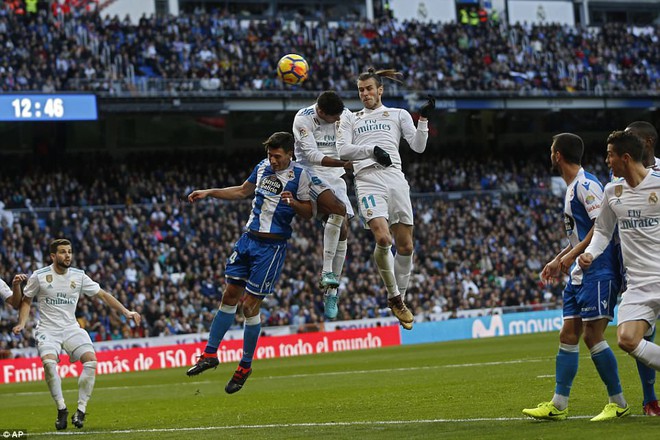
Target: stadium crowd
213 50
133 231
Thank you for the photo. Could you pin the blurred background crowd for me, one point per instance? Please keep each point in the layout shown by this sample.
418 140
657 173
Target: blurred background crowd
485 229
485 225
209 50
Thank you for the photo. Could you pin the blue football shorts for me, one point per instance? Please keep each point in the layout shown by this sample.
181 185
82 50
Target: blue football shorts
592 300
256 263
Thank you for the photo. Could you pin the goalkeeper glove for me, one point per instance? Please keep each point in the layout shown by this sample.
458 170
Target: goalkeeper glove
427 108
382 156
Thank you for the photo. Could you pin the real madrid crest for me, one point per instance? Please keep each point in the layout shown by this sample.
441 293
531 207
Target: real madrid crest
618 190
386 114
653 198
290 175
49 279
369 213
73 284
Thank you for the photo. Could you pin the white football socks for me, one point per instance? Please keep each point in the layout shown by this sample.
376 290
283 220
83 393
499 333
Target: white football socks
402 268
86 384
385 262
331 233
54 382
647 353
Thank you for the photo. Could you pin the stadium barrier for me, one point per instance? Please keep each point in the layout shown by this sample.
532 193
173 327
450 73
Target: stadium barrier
182 350
484 327
177 356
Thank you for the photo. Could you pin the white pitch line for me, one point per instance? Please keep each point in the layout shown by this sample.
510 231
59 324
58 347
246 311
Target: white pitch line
300 425
298 376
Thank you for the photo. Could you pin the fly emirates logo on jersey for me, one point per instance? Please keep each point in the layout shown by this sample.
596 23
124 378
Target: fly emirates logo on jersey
60 299
371 125
327 140
636 221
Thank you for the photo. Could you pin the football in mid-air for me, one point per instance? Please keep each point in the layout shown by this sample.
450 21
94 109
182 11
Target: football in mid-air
292 69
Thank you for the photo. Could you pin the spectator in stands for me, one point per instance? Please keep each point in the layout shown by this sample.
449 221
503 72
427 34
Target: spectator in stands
455 57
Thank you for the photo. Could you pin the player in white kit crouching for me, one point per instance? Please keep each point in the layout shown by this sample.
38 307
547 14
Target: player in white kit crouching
370 138
57 289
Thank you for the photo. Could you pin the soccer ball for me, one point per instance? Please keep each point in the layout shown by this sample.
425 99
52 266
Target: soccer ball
292 69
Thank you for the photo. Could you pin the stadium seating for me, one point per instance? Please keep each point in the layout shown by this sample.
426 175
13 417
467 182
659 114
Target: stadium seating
89 51
133 231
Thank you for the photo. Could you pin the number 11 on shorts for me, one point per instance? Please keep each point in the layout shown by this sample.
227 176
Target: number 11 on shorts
369 200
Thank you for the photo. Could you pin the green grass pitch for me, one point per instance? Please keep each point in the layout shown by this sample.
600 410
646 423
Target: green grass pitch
455 390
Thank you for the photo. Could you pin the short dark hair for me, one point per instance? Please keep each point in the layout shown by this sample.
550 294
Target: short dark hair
330 103
280 139
626 142
645 130
52 247
570 146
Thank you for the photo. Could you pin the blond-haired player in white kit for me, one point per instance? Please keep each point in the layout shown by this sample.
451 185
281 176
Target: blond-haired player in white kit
57 289
370 138
314 129
634 205
12 296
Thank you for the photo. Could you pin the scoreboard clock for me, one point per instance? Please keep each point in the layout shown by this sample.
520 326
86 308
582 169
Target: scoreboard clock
50 107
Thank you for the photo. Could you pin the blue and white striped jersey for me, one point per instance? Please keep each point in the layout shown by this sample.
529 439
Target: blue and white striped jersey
269 213
582 204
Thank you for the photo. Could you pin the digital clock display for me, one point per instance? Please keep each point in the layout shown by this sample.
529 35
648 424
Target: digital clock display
52 107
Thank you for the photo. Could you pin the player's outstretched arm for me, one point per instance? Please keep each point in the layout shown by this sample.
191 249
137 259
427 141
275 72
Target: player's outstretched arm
114 303
17 292
23 314
230 193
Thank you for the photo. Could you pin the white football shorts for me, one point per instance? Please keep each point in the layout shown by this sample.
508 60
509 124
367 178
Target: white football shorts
641 303
383 192
75 341
335 184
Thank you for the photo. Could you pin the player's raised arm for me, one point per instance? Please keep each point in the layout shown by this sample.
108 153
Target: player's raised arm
114 303
230 193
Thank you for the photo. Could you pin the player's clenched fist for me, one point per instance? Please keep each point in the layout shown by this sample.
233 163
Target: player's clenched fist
585 260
